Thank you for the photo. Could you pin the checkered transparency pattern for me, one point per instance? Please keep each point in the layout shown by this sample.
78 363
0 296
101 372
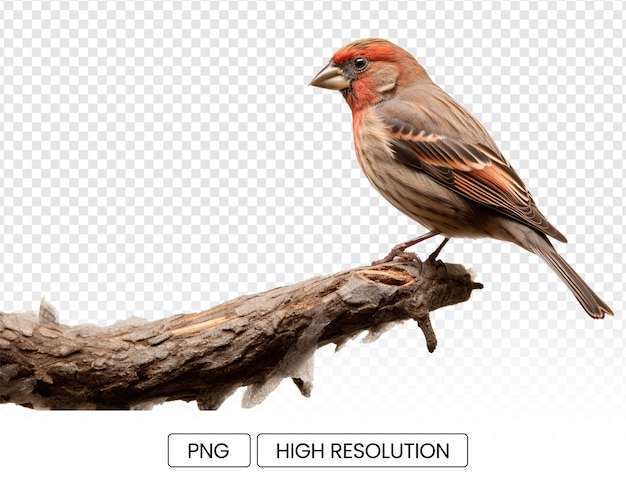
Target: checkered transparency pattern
162 157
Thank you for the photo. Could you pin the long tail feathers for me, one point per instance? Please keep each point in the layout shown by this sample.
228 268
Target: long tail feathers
589 300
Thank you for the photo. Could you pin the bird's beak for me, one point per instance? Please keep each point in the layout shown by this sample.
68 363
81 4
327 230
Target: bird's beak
330 77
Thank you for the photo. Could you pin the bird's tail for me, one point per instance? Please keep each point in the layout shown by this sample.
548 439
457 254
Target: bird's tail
589 300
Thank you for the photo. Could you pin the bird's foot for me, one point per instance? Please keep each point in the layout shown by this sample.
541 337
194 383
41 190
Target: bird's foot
433 256
399 253
432 260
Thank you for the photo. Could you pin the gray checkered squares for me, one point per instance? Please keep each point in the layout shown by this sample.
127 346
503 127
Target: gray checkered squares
162 157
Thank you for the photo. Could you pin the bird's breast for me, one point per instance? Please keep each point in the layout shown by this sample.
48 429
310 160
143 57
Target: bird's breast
371 140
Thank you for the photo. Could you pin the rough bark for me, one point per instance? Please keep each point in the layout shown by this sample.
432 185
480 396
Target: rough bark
253 341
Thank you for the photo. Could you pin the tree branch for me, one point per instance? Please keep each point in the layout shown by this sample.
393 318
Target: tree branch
253 341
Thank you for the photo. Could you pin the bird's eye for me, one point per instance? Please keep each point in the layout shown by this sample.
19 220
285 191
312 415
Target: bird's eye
360 63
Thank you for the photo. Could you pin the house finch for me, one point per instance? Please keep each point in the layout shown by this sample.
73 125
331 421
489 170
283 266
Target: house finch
435 162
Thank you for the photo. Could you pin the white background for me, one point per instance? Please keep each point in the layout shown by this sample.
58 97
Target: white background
163 157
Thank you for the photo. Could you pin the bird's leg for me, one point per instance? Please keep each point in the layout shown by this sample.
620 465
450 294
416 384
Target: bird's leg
399 249
435 253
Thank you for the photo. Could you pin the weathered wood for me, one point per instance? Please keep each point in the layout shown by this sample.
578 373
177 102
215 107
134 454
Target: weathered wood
253 341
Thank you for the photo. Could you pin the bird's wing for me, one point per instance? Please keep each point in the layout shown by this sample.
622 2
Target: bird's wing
474 170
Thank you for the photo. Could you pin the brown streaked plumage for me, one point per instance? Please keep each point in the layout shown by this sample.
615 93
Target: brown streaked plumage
435 162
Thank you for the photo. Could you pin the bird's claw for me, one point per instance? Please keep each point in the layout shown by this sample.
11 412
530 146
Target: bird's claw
437 263
399 254
433 258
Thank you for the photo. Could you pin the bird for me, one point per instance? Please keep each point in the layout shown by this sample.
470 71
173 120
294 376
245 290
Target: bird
435 162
